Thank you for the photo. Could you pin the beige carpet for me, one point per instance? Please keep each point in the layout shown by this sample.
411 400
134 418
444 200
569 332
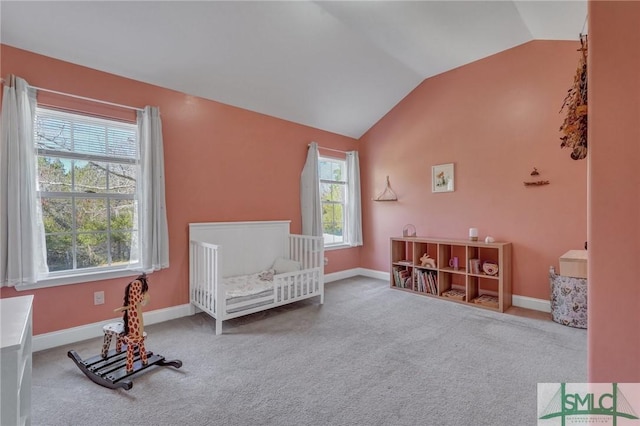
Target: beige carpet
369 356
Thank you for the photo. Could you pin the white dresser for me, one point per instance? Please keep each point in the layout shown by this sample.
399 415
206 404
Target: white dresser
15 357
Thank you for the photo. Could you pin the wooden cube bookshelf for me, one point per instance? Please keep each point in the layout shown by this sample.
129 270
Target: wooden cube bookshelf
462 284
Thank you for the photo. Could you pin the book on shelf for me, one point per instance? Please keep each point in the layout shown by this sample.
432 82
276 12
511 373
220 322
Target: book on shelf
427 281
406 279
474 266
455 294
487 300
402 277
396 276
433 283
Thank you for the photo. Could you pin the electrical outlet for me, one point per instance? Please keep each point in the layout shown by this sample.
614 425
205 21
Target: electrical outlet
98 298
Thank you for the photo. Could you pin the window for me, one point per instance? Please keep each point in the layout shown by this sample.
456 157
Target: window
87 174
333 197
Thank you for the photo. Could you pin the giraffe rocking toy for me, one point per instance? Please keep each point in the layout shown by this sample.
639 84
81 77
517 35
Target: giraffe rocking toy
136 295
112 368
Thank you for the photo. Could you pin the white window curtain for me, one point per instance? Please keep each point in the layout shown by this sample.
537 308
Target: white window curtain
353 220
22 247
154 234
310 194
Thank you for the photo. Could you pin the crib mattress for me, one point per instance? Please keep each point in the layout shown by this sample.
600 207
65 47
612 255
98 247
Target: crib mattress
244 288
249 287
245 285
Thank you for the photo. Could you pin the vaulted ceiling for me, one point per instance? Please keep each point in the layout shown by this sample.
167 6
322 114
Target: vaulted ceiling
338 66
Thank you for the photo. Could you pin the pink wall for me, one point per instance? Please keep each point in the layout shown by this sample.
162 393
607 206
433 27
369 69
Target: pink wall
614 197
496 119
221 164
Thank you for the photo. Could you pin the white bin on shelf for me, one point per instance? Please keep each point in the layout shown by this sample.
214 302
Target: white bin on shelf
574 264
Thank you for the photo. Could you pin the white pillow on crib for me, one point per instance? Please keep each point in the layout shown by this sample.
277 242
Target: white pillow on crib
283 265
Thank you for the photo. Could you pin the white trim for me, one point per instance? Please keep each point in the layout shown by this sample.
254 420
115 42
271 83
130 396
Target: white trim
519 301
340 275
354 272
78 278
371 273
531 303
339 246
90 331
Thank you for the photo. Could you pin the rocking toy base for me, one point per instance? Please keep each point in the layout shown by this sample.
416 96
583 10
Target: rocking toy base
111 372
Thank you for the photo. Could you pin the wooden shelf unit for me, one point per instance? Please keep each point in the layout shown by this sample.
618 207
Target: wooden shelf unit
460 285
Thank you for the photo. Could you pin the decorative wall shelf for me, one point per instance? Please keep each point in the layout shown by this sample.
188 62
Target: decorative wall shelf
387 194
538 182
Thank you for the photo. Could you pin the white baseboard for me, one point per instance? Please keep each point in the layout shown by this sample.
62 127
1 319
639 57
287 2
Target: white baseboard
531 303
520 301
372 273
354 272
340 275
90 331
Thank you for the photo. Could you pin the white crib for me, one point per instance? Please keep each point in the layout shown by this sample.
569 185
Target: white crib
220 250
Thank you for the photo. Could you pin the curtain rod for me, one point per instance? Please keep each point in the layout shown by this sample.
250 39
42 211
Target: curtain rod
330 149
2 80
87 99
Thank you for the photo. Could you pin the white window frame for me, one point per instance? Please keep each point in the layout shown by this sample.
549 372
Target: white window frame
344 243
77 275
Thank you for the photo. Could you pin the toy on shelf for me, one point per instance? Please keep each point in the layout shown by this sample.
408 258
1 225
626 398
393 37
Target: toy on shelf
427 261
409 230
112 368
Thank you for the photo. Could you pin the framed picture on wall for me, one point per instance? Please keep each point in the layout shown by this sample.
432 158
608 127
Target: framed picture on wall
442 178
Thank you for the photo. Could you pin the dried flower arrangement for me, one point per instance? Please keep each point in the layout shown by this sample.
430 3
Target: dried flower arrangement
574 127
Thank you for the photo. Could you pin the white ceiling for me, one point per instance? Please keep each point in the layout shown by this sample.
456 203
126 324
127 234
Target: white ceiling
337 66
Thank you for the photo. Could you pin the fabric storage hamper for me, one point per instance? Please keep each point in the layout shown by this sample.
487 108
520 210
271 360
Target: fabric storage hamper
568 300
